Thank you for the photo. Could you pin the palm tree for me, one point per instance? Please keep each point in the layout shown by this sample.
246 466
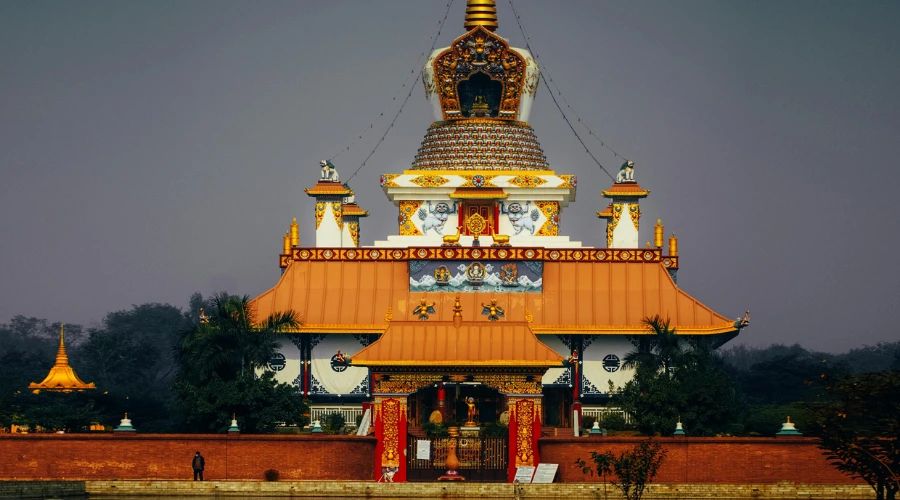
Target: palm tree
229 344
661 351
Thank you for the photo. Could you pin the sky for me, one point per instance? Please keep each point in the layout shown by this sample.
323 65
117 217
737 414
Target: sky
149 150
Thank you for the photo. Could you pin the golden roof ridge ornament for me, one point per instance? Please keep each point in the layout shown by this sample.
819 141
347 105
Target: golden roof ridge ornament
62 377
481 13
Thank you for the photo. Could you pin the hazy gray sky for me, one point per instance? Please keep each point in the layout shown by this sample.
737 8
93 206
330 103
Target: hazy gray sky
153 149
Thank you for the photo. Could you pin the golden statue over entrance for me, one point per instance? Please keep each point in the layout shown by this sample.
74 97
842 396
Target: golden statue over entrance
471 416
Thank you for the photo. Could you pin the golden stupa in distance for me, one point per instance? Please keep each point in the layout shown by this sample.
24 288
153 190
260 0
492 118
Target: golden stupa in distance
62 377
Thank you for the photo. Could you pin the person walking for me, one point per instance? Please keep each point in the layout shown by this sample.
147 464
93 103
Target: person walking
199 463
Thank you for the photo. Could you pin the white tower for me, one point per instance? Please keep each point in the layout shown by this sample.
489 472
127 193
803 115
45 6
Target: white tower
329 194
623 215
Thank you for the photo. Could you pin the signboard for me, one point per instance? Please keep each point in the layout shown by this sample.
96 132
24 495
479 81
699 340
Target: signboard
545 473
524 473
423 449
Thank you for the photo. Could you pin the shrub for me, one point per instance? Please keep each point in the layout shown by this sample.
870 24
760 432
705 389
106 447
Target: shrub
614 422
494 429
333 424
358 420
633 469
435 430
271 475
587 421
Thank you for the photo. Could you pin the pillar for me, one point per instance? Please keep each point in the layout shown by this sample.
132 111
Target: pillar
524 432
390 429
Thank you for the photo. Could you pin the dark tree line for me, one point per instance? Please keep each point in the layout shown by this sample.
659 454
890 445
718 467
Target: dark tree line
153 362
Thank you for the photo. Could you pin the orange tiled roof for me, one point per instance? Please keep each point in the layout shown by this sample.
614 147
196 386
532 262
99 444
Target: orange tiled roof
327 187
624 190
606 213
577 297
339 297
439 343
353 209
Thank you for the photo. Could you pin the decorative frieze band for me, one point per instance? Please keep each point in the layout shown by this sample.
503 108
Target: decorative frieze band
482 253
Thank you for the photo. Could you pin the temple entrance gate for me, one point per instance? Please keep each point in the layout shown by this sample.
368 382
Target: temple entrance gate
482 459
482 449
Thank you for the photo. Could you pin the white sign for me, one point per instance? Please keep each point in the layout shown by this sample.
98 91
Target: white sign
545 473
524 473
423 449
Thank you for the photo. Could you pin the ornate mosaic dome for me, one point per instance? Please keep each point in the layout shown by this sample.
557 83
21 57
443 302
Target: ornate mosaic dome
480 144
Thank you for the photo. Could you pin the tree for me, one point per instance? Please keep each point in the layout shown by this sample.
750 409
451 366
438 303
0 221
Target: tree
661 351
259 404
678 378
131 355
633 469
859 428
229 344
219 359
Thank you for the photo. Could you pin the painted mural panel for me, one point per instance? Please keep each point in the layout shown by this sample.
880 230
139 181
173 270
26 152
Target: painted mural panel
557 376
602 358
332 378
470 276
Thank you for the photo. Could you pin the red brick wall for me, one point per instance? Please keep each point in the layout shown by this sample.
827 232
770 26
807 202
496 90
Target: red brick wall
168 456
707 460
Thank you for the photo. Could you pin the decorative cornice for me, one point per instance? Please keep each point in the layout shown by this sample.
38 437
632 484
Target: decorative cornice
478 194
539 329
638 255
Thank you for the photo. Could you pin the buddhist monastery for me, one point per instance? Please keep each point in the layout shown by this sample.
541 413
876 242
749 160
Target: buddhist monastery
479 309
62 377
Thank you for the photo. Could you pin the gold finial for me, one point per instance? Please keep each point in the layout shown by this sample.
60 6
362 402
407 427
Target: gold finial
481 13
648 245
789 419
286 248
658 234
62 359
673 245
389 315
457 312
295 233
528 316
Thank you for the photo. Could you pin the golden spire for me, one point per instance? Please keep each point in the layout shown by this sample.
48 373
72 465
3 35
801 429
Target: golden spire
62 377
286 250
481 13
295 233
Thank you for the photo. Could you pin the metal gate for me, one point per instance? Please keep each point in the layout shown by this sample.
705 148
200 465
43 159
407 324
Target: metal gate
480 459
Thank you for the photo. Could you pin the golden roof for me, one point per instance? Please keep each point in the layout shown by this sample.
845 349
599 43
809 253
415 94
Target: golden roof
440 343
328 188
353 209
625 190
62 377
606 213
592 298
481 13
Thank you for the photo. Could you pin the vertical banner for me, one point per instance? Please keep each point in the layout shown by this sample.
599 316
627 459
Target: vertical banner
513 439
390 429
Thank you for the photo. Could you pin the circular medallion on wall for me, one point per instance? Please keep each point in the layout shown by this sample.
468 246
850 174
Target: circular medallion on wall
336 366
611 363
277 363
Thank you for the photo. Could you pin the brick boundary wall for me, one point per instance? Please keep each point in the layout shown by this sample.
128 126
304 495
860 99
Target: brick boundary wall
707 460
168 456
